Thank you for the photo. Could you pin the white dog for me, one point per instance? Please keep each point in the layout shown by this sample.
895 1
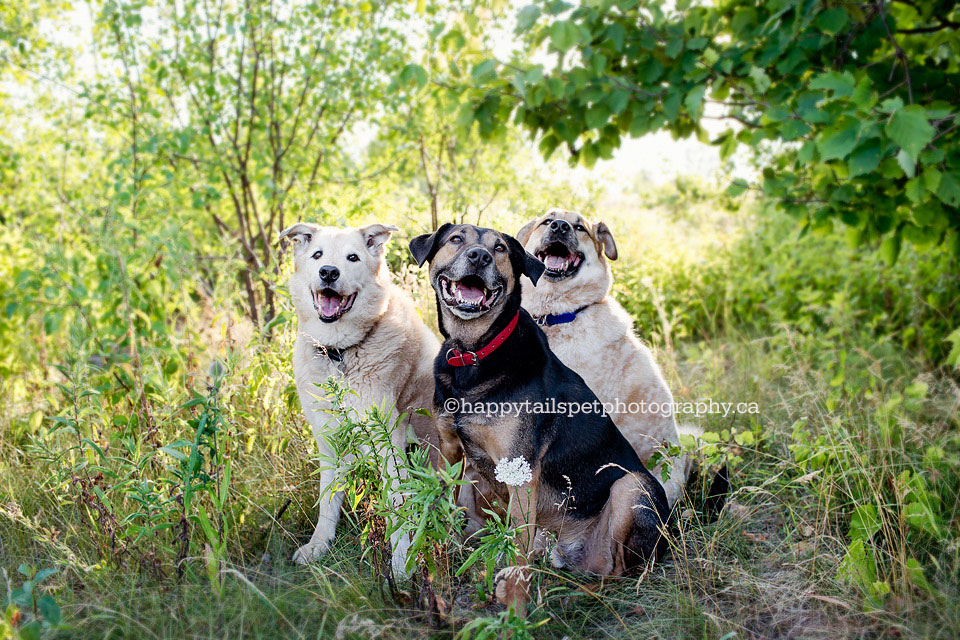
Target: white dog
354 324
593 335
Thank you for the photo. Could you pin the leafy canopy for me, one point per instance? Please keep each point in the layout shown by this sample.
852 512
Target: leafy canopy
851 106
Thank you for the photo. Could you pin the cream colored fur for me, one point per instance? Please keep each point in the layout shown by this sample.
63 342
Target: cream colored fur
601 346
388 357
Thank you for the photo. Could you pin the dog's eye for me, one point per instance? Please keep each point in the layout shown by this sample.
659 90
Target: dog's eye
317 255
580 227
455 239
547 221
353 257
500 248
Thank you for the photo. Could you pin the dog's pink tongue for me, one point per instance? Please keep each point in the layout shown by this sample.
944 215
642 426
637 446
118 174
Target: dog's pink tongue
329 305
470 294
554 262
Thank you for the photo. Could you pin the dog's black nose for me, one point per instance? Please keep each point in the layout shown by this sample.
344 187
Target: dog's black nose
329 273
479 257
560 226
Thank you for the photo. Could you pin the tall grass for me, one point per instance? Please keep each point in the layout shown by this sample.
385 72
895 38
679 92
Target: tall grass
152 450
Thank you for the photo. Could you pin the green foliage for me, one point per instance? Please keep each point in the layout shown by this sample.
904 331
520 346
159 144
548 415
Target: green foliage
857 102
774 277
496 545
151 438
29 613
241 114
361 448
506 624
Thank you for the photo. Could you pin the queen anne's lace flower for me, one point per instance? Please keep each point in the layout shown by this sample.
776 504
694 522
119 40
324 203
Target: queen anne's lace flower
515 472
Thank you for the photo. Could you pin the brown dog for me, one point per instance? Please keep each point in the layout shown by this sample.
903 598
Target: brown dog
584 482
589 330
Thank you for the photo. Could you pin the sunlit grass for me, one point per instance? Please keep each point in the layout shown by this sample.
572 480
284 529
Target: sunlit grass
846 407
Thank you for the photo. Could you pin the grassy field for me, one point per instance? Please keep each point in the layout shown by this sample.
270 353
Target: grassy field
842 521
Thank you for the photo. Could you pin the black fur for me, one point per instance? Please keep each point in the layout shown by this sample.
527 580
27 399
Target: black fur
425 246
524 368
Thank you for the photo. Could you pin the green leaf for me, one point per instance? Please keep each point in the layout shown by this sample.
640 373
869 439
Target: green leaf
840 84
30 631
49 610
617 35
931 179
863 95
921 516
832 21
858 565
909 129
564 34
527 17
953 358
914 190
43 574
650 70
484 70
948 189
890 247
791 129
694 99
760 79
729 145
673 48
597 115
915 573
805 154
413 73
865 159
671 106
736 188
907 162
618 100
839 140
864 522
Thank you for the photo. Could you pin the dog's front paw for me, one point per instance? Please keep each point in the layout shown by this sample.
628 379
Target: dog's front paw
512 587
311 551
400 543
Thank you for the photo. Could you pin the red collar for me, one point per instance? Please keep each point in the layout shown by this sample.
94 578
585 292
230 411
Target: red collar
458 358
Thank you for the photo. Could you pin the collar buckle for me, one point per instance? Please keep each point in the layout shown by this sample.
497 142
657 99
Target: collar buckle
475 362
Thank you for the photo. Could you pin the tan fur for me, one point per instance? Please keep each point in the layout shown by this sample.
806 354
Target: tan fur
388 353
601 346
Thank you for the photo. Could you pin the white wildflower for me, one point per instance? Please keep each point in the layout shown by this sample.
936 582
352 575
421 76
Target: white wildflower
515 472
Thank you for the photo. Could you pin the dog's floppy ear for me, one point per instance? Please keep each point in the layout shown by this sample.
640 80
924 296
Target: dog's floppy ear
525 231
605 237
425 246
524 260
300 234
375 236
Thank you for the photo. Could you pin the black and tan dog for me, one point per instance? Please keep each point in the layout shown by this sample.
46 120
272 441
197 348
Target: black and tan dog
588 487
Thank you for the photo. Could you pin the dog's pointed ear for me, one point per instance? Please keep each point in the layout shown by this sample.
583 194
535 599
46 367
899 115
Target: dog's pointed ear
425 246
525 261
375 236
300 234
605 237
525 231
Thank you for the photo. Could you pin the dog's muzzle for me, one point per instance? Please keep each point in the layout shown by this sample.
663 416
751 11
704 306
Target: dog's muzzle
559 252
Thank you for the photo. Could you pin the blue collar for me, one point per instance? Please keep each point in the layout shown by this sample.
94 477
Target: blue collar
558 318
